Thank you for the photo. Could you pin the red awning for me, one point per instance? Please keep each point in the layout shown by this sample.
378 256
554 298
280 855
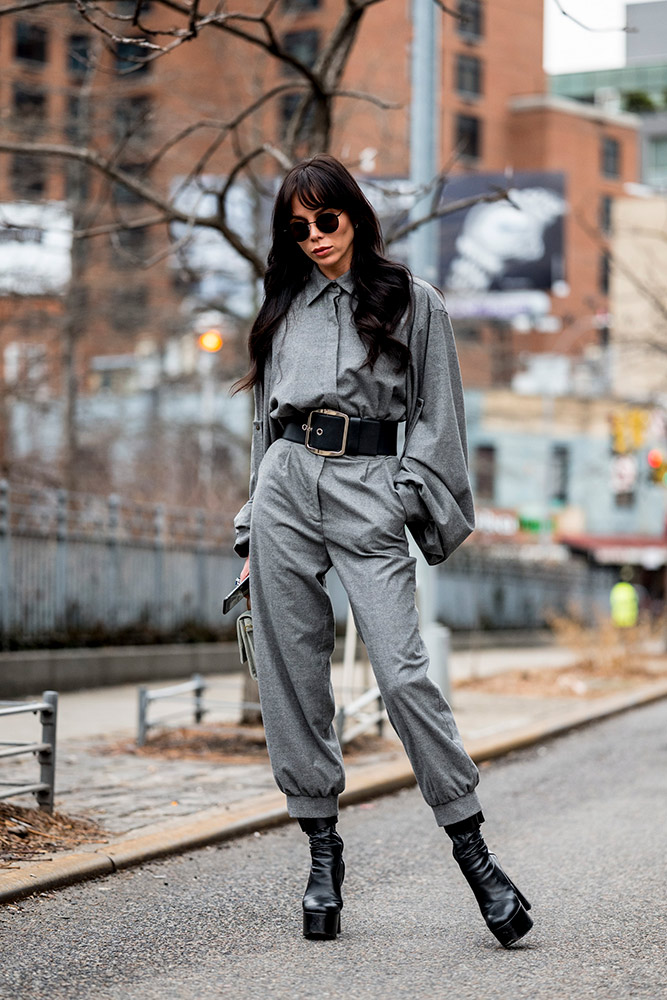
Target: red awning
616 550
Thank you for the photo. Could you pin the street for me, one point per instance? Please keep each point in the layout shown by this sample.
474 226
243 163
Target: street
579 823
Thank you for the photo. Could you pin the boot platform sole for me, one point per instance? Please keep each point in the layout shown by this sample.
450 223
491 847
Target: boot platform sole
321 925
518 925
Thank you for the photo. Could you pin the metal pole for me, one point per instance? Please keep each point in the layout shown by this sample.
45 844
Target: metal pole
424 249
143 709
113 522
424 131
199 696
158 565
5 563
61 561
47 758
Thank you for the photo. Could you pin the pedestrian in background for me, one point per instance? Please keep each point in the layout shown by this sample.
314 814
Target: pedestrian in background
347 345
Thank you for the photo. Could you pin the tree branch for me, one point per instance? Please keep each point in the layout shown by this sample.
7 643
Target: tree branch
449 209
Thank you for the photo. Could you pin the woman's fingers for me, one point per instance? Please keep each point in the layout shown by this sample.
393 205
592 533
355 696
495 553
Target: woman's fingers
246 569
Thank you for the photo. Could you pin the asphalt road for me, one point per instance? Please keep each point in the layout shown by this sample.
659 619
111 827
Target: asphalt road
580 823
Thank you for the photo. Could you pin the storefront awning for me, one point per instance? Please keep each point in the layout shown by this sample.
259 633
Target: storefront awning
619 550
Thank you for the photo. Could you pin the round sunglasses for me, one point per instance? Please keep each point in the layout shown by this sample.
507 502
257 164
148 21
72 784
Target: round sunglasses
327 222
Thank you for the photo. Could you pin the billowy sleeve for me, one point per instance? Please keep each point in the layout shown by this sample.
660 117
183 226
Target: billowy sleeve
432 480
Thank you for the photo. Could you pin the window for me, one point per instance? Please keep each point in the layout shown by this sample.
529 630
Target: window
603 274
559 473
128 246
78 55
29 108
25 364
469 136
468 75
76 121
485 471
131 58
604 220
123 195
297 6
657 161
303 45
28 176
127 8
611 157
77 183
288 106
30 42
471 23
131 117
129 308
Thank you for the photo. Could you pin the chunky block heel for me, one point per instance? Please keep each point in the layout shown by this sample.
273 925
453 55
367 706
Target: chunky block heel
515 928
322 901
503 906
321 925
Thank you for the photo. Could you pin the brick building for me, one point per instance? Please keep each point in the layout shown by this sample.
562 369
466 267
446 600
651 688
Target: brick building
63 82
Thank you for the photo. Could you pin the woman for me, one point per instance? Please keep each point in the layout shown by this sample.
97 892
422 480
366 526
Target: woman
346 346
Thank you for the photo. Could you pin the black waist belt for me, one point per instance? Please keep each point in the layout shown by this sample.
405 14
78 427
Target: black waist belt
330 432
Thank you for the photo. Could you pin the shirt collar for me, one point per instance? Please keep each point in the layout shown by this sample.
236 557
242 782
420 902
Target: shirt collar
318 282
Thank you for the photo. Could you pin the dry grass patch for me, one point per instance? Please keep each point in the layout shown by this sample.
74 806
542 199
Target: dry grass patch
32 834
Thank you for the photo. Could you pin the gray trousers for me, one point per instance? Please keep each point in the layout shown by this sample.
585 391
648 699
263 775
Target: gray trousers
311 512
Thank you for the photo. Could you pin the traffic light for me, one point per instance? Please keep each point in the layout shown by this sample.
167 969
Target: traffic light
657 464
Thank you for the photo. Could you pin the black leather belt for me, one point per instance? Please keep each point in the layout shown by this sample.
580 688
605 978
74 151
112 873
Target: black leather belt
330 432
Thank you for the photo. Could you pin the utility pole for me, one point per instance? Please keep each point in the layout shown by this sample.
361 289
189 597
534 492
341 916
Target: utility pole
424 261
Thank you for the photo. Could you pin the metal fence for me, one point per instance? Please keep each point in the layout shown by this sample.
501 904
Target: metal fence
45 750
73 561
77 562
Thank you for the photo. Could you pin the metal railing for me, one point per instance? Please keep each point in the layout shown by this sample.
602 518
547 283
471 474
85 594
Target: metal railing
45 751
196 687
71 562
365 720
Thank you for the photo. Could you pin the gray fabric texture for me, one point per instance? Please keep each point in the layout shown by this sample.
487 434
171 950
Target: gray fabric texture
307 513
311 512
314 362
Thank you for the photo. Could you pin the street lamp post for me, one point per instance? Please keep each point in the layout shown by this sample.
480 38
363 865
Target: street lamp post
424 259
210 343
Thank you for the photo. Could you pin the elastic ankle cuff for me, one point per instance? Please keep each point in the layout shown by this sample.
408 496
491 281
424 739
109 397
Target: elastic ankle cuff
447 813
306 807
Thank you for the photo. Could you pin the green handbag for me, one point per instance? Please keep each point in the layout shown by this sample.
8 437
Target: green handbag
246 641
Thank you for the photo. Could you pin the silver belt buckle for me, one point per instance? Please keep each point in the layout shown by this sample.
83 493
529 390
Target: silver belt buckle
322 451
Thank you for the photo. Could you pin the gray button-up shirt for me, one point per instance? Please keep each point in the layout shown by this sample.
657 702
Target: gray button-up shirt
316 361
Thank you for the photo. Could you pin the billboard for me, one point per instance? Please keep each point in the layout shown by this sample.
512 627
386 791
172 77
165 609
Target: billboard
499 259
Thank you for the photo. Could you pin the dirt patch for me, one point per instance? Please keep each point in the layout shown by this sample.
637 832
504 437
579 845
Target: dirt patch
589 678
27 834
224 743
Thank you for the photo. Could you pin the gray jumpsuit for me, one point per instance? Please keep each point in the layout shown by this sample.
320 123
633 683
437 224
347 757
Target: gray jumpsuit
309 512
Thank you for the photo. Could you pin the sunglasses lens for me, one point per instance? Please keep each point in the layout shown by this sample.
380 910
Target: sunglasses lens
299 231
327 222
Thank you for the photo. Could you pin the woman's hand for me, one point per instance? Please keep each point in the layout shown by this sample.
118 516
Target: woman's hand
244 573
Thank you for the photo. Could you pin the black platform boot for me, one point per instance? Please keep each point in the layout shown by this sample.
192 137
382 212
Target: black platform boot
322 901
503 906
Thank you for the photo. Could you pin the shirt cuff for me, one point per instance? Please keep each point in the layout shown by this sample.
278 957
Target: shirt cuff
242 543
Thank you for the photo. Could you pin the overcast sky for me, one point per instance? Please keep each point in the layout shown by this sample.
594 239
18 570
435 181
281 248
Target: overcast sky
568 47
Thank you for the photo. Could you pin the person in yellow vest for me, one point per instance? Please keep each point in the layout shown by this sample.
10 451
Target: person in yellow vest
624 603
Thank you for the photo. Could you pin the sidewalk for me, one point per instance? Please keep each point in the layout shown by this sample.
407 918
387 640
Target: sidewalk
151 805
125 791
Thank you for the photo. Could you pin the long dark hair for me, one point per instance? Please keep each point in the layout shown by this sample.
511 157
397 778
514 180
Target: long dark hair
382 287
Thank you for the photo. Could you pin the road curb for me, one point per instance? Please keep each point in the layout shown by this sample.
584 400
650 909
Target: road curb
263 811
